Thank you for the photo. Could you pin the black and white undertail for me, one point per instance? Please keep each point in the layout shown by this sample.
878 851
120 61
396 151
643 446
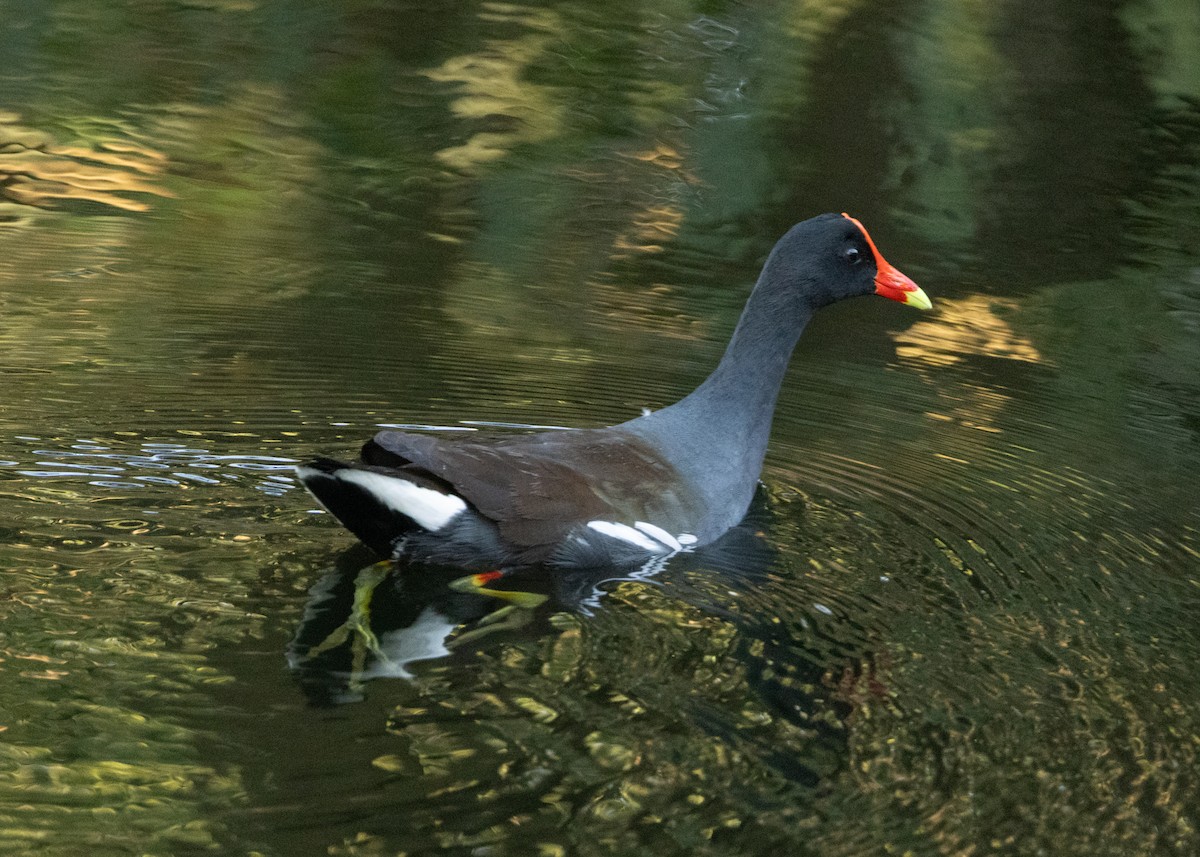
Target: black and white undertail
380 508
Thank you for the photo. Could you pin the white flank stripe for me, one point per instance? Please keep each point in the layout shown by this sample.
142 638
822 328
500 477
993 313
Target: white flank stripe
431 510
687 539
626 533
660 534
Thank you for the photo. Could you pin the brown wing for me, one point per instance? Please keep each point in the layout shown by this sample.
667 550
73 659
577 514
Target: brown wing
536 487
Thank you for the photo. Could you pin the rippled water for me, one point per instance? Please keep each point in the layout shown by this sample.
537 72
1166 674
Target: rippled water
961 617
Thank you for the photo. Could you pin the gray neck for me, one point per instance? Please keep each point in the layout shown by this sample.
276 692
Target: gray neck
741 391
717 436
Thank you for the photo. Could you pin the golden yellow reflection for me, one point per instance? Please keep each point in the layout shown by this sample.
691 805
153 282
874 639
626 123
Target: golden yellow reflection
37 170
651 229
971 326
494 92
661 155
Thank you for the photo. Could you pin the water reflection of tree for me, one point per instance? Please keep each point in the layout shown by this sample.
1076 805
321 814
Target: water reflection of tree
638 162
111 170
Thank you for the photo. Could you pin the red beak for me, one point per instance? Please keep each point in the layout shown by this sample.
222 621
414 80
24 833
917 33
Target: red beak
889 282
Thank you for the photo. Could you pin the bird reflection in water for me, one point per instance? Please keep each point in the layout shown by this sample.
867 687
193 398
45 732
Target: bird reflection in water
368 619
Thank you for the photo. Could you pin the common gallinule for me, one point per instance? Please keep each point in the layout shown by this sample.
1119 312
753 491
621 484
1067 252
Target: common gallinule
667 481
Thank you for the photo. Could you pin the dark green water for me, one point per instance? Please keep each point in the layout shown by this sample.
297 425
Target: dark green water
964 617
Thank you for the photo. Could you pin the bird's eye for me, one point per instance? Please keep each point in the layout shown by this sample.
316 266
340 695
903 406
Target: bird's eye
852 255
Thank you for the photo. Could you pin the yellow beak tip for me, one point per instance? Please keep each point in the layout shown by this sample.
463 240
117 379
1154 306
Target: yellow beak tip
918 299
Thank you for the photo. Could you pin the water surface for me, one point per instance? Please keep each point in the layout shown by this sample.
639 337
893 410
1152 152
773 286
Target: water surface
961 618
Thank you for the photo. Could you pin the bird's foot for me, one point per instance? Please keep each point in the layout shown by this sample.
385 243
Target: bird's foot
357 627
476 584
515 614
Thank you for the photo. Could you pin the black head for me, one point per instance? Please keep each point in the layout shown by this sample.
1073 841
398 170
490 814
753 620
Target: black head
831 257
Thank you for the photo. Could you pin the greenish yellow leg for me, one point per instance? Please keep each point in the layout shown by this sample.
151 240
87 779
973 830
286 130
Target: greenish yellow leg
358 623
516 613
476 585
